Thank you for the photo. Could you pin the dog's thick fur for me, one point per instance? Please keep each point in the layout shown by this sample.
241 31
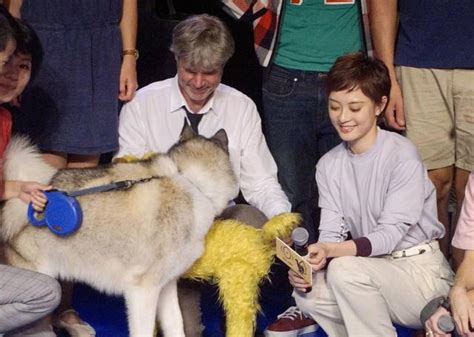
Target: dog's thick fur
135 242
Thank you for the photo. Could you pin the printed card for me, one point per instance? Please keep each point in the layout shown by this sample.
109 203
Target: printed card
293 260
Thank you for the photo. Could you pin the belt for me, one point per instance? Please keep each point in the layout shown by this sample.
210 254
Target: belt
416 250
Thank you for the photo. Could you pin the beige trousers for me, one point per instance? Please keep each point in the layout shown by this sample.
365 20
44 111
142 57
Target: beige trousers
439 108
362 296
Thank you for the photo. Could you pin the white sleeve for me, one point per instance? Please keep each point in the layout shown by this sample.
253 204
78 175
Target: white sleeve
403 206
331 227
258 176
132 131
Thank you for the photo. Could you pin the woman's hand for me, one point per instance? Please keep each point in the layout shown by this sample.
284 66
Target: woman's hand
317 256
29 191
128 78
297 282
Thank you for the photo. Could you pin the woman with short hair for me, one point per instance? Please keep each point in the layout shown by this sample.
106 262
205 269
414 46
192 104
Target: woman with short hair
378 224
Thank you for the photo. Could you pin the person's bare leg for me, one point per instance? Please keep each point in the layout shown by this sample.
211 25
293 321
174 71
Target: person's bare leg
64 311
56 159
62 160
82 161
443 180
460 180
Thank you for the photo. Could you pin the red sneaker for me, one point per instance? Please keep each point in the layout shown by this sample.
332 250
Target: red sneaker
291 323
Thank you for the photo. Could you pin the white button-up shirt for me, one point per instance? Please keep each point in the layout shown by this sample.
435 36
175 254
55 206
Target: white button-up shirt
153 120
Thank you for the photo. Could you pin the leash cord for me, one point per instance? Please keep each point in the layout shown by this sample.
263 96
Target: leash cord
117 185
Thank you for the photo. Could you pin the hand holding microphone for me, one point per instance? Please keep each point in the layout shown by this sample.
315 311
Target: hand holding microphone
300 237
314 255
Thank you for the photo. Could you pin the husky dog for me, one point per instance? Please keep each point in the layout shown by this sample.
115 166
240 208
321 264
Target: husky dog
136 242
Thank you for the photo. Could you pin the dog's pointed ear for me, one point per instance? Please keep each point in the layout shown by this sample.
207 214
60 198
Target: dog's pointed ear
221 138
186 132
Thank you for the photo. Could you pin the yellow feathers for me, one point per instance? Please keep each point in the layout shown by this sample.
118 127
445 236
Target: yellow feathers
237 257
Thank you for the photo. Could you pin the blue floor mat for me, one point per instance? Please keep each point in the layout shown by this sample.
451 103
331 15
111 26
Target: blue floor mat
107 314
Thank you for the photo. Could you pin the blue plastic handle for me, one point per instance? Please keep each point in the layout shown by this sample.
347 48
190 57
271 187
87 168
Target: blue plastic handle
41 221
62 214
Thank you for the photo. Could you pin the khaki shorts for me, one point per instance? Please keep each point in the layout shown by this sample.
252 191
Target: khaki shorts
439 109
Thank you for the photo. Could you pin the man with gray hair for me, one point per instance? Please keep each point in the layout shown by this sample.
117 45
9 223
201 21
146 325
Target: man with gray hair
153 120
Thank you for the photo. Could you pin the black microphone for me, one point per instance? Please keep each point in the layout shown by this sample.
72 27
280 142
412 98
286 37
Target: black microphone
300 238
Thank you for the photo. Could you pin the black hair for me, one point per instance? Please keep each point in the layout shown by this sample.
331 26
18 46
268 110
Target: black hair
29 44
359 71
8 27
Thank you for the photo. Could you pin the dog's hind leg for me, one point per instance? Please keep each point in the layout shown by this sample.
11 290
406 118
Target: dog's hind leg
169 314
141 308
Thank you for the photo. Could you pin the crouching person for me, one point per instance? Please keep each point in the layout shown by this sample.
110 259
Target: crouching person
374 188
25 296
153 120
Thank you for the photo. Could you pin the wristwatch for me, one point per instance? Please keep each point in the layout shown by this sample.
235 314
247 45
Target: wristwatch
133 52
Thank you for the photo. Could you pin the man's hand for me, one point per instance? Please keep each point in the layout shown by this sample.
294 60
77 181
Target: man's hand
394 113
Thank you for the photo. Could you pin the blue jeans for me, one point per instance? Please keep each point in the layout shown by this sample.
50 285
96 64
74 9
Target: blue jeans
298 131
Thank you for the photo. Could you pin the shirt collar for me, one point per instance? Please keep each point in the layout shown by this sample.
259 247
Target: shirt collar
177 100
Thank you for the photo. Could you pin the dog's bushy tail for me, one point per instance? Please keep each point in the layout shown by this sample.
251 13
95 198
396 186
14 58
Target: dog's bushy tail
280 226
22 162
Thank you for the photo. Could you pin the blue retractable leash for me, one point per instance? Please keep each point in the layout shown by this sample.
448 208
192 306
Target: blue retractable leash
63 213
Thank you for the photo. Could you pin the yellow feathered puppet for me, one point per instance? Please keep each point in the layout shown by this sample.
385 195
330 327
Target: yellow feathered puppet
237 258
